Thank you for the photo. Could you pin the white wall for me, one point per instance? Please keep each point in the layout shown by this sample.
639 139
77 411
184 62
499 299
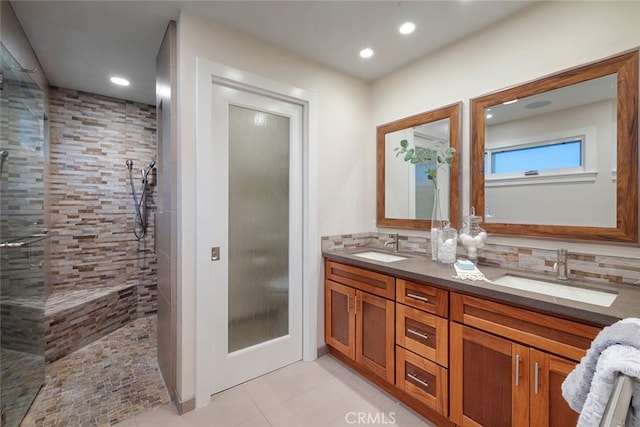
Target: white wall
345 163
541 40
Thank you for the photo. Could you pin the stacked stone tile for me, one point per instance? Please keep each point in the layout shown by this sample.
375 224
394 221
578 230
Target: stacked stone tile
102 276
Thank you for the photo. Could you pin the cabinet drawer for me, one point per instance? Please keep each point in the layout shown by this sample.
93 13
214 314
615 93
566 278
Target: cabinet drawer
422 379
422 333
424 297
365 280
555 335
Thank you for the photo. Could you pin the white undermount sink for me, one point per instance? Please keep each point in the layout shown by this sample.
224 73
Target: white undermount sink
380 256
589 296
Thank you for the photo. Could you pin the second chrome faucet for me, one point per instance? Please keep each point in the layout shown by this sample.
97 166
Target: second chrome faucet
393 241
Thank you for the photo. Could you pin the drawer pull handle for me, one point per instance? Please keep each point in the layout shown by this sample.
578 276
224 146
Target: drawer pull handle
418 297
418 380
355 306
517 370
418 334
348 303
536 376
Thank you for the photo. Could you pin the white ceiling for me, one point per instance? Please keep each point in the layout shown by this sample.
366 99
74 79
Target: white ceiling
81 43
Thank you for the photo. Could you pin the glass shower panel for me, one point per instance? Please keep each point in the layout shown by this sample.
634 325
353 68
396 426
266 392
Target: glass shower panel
258 227
22 240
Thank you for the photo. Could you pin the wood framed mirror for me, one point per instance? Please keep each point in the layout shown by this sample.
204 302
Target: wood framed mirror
404 194
558 157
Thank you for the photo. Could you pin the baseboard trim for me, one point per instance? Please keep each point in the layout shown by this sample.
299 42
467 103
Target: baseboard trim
183 406
322 350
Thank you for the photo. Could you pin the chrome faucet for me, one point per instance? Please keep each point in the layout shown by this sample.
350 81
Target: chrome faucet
560 266
393 241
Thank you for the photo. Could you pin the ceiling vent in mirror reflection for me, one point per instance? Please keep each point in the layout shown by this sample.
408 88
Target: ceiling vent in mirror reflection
538 104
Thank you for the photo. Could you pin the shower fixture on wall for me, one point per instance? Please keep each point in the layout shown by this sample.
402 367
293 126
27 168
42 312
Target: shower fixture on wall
140 206
3 156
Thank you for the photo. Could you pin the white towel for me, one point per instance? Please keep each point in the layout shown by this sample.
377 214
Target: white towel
613 360
473 274
579 384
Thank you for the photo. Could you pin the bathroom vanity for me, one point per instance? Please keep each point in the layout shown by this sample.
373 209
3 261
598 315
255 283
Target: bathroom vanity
467 353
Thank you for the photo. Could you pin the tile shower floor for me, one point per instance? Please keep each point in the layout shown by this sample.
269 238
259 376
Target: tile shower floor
108 381
115 381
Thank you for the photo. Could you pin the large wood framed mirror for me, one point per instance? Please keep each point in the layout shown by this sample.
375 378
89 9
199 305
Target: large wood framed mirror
558 157
404 194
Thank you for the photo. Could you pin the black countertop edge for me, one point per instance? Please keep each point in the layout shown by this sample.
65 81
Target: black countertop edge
421 269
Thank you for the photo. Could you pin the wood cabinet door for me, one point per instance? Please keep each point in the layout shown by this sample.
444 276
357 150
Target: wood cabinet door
548 407
340 319
489 379
375 335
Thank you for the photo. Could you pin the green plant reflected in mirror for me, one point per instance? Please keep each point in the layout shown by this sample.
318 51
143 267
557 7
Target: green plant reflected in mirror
405 194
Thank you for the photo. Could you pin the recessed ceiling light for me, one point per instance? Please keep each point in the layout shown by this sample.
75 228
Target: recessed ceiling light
119 81
489 115
366 52
407 28
513 101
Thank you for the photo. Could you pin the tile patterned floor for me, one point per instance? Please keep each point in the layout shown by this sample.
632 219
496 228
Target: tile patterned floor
108 381
305 394
115 381
22 375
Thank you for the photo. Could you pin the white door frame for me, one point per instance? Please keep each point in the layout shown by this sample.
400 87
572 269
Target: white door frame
208 72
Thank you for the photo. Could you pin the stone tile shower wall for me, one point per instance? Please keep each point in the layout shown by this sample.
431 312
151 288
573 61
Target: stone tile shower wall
95 255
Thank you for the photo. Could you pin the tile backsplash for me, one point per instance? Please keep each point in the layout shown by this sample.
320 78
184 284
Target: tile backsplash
598 268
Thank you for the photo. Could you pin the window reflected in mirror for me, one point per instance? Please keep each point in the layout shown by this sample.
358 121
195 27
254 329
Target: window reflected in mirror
554 153
558 157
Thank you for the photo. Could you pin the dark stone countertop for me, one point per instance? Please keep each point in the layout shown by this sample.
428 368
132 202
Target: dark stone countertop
419 268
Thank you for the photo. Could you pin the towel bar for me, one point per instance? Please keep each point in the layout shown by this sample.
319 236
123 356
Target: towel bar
615 413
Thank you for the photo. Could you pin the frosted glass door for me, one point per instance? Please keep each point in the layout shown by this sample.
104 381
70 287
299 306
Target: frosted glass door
258 227
254 214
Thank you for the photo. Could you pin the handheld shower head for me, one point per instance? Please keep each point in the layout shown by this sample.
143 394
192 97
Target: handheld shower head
130 165
145 171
